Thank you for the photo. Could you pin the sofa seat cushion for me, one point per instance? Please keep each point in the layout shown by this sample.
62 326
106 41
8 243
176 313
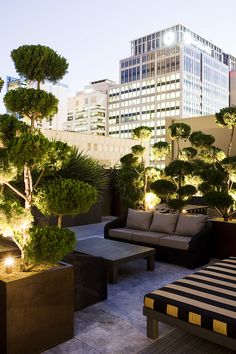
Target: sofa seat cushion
190 225
122 233
164 223
138 219
175 241
147 237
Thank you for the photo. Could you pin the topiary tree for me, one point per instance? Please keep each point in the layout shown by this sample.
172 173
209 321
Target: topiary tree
226 117
161 150
1 84
33 104
142 133
29 157
65 197
179 131
39 63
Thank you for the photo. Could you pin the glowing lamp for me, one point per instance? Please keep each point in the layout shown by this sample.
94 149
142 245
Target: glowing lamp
184 211
8 262
187 38
151 200
169 38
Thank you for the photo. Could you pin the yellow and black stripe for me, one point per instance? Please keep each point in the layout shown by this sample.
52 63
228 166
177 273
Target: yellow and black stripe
206 298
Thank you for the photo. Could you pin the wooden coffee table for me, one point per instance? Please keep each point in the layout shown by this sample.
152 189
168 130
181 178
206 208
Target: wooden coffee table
116 253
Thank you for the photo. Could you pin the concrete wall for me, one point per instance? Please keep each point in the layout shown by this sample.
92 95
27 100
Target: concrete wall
208 126
105 149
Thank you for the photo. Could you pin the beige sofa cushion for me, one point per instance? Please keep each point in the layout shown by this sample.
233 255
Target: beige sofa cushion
164 223
175 241
140 220
146 237
122 233
190 225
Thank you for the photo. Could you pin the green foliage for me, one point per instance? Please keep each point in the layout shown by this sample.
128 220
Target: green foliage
178 169
176 204
65 197
163 188
138 150
34 104
15 219
30 148
10 127
39 63
179 131
226 117
1 84
80 166
161 150
188 153
221 201
8 170
152 174
49 244
214 177
130 186
142 133
129 160
186 192
229 166
200 140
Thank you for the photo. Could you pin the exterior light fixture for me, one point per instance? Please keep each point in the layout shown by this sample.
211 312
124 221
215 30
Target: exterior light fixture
9 262
151 200
187 38
169 38
184 211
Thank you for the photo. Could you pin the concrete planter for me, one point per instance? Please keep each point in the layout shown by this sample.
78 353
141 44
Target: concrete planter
37 311
223 243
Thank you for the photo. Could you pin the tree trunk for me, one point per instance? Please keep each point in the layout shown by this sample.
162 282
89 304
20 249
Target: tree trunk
230 143
28 187
177 149
59 221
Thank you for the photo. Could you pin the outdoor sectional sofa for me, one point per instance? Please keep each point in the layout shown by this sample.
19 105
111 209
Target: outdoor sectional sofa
178 238
202 303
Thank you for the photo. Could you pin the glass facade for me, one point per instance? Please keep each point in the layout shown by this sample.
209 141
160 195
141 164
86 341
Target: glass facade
172 73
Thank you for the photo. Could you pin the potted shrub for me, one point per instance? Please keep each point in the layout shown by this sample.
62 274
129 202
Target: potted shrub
37 300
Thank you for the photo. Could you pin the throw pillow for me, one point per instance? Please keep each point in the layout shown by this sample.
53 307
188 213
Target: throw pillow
138 219
190 225
164 223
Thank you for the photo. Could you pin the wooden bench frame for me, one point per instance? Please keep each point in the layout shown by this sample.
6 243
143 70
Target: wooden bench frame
154 317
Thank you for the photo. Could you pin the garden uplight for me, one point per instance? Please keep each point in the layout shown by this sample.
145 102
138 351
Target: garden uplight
9 262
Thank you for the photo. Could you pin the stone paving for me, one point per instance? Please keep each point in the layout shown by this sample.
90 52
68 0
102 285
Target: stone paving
117 325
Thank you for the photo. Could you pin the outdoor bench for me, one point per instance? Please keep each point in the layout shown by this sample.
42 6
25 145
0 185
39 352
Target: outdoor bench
202 303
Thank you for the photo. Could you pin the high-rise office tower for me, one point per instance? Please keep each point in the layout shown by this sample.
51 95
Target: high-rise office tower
170 73
87 111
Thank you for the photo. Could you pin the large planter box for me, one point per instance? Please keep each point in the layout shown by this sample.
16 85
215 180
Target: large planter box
223 242
37 311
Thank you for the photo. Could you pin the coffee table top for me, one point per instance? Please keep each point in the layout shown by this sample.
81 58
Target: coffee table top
112 250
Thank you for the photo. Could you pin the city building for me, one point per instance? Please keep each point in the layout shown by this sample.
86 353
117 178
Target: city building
173 73
87 111
59 90
105 149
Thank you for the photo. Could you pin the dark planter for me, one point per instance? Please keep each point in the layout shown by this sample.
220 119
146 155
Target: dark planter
37 311
223 240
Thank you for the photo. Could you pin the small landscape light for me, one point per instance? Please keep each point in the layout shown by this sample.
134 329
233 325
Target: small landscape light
184 211
8 262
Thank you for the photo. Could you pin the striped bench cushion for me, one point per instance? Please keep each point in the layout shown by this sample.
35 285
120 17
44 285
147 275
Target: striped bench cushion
206 298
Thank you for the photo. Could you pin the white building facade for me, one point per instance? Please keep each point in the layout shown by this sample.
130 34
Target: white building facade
172 73
87 111
59 90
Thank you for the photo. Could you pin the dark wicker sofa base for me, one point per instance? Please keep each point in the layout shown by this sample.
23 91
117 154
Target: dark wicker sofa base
196 256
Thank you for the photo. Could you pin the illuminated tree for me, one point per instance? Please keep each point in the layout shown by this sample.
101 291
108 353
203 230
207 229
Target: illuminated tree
179 131
226 117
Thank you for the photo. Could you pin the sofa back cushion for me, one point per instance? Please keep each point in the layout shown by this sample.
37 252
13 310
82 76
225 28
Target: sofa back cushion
138 219
190 225
164 223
